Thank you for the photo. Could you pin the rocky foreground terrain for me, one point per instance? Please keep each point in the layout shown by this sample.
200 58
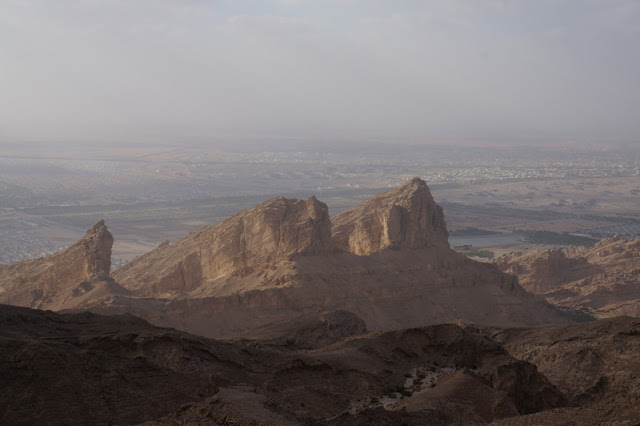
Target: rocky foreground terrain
92 369
595 365
387 260
603 280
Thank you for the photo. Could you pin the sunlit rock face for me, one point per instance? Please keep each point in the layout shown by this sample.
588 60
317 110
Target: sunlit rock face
406 217
41 282
246 243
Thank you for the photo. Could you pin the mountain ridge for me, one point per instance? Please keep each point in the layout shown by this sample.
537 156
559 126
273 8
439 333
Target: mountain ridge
123 370
386 259
603 280
65 279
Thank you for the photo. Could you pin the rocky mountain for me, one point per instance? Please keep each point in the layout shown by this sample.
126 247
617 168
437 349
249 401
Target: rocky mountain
603 280
249 243
68 279
387 260
336 321
406 217
121 370
260 248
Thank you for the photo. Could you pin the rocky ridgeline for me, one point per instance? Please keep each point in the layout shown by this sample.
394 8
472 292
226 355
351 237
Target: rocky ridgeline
256 240
603 280
387 260
406 217
248 242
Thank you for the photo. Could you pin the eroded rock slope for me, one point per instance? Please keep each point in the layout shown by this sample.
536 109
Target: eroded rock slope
405 218
387 260
69 279
248 243
603 280
595 365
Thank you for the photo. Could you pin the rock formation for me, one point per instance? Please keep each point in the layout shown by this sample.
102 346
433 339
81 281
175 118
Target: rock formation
603 280
122 370
542 271
387 260
249 242
63 280
406 217
89 369
298 294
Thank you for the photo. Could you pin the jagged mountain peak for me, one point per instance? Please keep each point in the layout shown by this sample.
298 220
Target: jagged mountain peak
281 227
405 217
97 244
393 267
249 242
603 280
51 281
387 260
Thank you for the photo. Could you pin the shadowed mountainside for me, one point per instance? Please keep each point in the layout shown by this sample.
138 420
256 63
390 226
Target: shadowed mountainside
122 370
87 368
596 365
603 280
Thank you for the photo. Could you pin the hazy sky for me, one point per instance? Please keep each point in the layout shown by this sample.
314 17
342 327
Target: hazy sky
420 71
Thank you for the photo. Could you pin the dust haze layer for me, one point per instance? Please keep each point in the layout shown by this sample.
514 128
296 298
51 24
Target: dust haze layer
402 70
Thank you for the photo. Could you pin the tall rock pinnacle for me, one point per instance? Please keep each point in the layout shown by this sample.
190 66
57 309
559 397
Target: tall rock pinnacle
34 282
96 251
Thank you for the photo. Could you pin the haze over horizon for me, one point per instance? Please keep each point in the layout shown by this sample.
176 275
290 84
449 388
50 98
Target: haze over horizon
532 72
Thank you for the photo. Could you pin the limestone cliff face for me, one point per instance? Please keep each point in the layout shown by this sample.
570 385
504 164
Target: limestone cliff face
273 230
388 260
249 242
604 280
38 282
406 217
